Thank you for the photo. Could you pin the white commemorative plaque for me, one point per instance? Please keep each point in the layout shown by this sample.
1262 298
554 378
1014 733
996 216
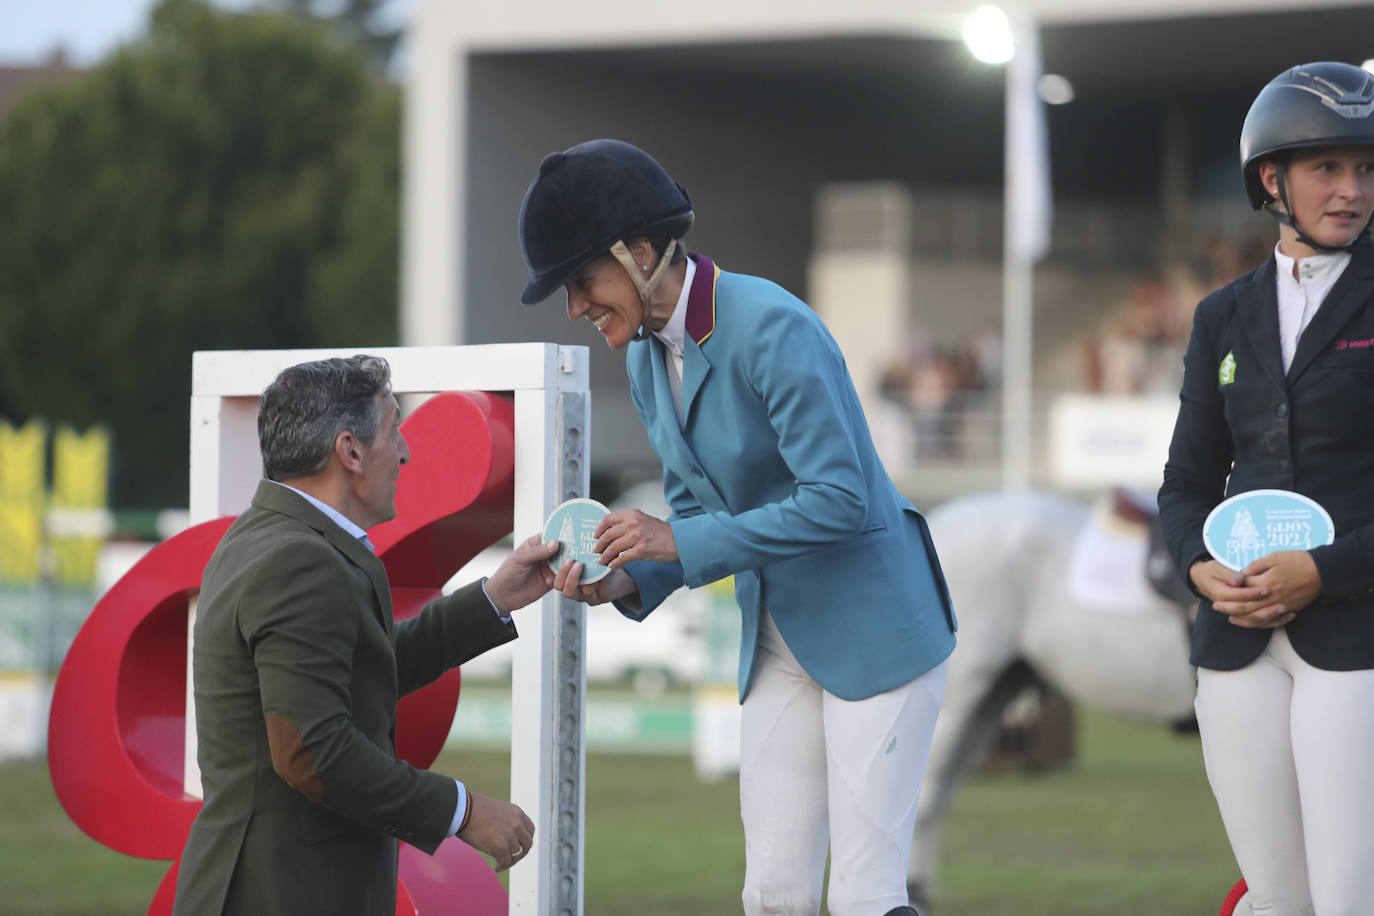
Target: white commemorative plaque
573 525
1249 525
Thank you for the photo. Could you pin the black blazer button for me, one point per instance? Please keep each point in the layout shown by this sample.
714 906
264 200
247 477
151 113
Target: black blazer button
1284 466
1281 410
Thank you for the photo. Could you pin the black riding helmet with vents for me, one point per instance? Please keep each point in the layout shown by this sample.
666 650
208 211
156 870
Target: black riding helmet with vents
1323 104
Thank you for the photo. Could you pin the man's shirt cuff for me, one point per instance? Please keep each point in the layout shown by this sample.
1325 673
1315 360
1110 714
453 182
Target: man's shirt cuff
461 810
505 618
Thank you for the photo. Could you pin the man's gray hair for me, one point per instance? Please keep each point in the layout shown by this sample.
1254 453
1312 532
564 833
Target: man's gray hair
306 407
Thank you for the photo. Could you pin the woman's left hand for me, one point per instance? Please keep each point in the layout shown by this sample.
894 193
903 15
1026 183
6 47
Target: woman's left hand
632 535
1293 582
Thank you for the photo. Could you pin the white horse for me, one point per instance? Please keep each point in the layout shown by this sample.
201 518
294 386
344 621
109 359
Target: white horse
1045 588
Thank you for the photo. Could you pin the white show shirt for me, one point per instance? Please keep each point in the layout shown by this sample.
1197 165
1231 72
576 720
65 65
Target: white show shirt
1301 296
674 337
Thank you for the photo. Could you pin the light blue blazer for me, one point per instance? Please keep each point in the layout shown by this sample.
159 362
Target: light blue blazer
773 478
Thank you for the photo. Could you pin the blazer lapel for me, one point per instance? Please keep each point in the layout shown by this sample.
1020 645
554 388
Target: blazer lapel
276 498
695 368
674 450
663 389
1351 292
1260 319
700 325
370 563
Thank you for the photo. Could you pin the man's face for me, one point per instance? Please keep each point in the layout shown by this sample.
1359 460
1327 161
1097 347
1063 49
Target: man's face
382 462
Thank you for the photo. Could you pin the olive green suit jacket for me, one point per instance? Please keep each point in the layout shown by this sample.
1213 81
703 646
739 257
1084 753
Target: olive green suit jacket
297 670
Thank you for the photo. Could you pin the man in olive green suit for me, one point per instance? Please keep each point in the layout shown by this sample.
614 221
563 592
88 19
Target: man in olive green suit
297 669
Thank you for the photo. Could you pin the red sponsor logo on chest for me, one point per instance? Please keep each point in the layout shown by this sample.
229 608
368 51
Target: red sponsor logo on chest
1355 344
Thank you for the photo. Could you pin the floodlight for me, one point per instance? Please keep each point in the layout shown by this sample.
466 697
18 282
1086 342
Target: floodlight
987 32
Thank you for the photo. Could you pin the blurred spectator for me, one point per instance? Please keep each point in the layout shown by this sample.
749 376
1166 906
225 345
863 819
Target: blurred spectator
941 402
933 381
945 392
1141 349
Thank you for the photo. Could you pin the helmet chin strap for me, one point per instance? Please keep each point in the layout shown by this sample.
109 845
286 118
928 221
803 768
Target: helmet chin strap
645 285
1286 217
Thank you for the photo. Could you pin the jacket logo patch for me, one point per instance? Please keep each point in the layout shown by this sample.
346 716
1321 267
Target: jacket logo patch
1355 344
1227 373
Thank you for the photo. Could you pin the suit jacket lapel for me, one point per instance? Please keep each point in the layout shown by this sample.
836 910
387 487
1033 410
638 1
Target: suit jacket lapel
1260 318
695 368
370 563
1346 298
275 498
663 389
675 450
700 325
665 410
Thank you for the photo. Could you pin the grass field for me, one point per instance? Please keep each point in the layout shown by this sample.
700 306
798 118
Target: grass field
1129 829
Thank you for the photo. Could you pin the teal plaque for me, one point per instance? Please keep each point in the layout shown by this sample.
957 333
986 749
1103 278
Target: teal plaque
573 526
1249 525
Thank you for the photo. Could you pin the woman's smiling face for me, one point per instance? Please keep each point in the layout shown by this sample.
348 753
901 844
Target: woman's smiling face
602 293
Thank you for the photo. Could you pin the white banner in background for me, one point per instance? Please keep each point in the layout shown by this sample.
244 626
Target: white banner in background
1103 440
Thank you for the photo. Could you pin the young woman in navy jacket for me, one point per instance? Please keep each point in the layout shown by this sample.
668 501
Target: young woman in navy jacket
1278 392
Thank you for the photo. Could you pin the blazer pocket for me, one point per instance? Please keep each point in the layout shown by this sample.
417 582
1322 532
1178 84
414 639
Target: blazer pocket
863 537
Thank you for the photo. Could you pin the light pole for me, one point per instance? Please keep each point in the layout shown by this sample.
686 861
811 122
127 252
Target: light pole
997 38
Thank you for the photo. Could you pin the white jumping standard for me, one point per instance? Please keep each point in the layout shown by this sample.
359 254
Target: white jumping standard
548 679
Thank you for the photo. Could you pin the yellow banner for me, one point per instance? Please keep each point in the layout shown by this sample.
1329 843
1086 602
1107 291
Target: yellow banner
80 481
21 502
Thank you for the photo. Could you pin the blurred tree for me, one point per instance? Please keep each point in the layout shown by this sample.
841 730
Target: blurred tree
229 182
357 21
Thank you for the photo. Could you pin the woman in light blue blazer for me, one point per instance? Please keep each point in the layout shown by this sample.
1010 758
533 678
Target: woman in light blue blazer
772 477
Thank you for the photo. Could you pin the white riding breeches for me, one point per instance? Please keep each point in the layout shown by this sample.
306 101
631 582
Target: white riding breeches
817 771
1289 749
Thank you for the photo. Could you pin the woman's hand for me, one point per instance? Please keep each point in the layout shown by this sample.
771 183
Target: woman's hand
1267 593
1247 604
632 535
614 587
1290 581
